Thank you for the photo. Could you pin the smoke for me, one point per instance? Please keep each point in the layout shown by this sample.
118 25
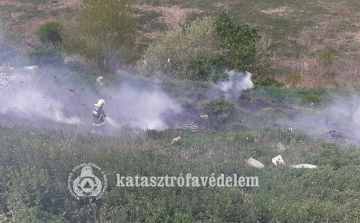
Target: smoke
340 116
236 83
29 104
39 96
143 108
344 116
23 97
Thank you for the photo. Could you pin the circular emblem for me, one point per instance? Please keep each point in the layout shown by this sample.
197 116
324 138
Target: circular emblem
87 180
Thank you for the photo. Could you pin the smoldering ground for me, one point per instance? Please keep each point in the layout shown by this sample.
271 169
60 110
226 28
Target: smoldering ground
53 97
336 118
48 96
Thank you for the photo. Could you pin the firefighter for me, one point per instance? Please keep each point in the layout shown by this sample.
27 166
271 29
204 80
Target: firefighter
98 116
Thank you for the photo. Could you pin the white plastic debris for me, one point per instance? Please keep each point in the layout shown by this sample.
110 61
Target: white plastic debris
255 163
98 81
278 161
310 166
175 140
31 67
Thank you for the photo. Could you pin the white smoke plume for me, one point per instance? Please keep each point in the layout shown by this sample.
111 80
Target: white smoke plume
30 98
341 116
23 97
144 108
236 83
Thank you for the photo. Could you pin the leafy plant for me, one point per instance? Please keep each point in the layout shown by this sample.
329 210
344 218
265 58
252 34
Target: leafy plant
104 34
266 81
293 79
220 112
325 58
50 33
182 52
45 56
239 44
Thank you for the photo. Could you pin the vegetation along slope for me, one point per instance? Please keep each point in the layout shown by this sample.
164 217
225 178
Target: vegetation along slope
191 87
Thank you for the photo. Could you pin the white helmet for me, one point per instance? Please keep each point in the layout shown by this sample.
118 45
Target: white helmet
100 103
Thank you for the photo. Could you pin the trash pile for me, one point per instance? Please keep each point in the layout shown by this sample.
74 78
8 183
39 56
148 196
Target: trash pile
278 161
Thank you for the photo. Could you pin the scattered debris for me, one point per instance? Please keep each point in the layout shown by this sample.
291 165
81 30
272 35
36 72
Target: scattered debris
335 134
278 161
339 137
31 67
175 140
98 81
255 163
189 127
309 166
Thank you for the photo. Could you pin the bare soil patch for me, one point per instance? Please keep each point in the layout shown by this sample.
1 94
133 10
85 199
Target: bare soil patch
29 27
277 11
174 16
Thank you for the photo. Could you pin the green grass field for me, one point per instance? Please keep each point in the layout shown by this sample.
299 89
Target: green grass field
35 166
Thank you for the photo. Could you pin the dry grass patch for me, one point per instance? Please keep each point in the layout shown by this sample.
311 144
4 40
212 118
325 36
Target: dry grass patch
173 16
330 31
29 27
323 35
339 9
223 6
278 11
348 71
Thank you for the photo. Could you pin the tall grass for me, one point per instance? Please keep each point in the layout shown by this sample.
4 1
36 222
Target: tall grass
32 156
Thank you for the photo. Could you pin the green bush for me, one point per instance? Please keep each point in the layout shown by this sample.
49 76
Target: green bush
104 34
293 79
220 112
239 43
50 33
315 96
207 45
46 56
179 53
35 197
325 58
266 81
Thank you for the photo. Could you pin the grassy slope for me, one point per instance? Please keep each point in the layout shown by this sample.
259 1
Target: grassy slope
328 194
42 159
299 30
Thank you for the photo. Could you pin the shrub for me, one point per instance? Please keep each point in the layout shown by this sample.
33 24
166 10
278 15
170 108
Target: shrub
35 195
325 58
239 43
220 112
45 56
207 45
50 33
293 79
180 51
104 34
266 81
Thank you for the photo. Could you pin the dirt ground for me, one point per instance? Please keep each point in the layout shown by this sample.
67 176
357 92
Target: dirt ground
28 21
